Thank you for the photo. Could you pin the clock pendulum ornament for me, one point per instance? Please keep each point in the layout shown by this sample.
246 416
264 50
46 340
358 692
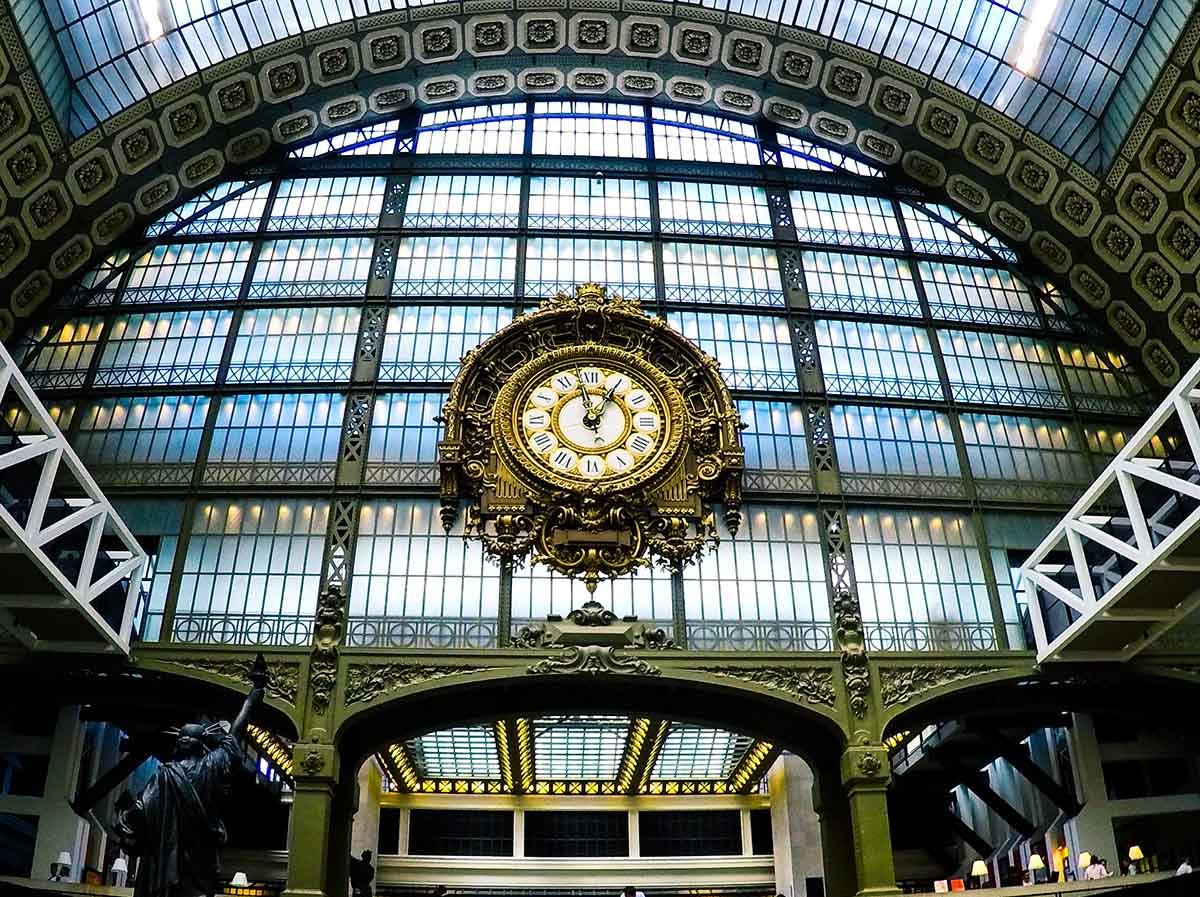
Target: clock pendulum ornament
593 438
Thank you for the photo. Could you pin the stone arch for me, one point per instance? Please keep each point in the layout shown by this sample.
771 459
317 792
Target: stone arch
1112 242
797 709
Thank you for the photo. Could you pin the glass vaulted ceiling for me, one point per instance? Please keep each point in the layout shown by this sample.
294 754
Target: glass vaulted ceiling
1076 52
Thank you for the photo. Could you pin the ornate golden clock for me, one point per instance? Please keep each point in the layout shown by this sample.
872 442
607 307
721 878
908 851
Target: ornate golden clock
591 436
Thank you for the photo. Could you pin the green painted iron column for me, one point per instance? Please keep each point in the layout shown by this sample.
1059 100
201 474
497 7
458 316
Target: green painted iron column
311 830
865 775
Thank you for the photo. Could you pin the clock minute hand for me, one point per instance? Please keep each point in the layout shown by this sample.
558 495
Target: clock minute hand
599 409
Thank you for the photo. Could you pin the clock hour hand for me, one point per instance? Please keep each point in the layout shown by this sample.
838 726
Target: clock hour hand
595 411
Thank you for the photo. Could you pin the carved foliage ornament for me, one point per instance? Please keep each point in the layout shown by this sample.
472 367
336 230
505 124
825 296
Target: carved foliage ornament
591 437
365 682
322 673
899 685
813 686
281 685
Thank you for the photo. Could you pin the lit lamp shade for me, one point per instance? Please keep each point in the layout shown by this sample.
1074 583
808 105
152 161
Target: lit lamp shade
64 859
979 869
1036 863
119 865
1085 860
1135 853
239 880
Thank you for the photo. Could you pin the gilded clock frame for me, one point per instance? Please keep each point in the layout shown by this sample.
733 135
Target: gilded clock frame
510 404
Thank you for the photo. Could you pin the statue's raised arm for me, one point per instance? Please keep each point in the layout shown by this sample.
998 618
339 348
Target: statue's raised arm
258 679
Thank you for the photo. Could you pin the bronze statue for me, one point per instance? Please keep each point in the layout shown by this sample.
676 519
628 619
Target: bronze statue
175 826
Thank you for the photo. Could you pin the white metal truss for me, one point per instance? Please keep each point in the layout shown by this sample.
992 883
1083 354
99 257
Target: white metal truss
1123 565
63 551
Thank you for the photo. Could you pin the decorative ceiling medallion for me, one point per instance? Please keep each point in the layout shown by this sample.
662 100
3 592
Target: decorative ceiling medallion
591 437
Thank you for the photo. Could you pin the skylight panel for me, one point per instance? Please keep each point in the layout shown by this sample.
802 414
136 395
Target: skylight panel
808 156
694 752
465 752
586 748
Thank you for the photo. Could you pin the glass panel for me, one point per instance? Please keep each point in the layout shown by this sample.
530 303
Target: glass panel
301 429
941 230
995 369
182 347
158 430
694 752
539 592
575 128
473 129
64 359
845 220
325 267
188 272
1102 381
557 264
920 581
294 345
865 359
462 200
251 572
1029 449
98 285
734 275
719 210
1106 441
774 435
860 283
465 752
338 203
426 343
417 585
802 154
754 351
404 438
764 590
587 748
685 136
230 214
156 524
595 203
979 295
482 267
909 441
403 428
375 140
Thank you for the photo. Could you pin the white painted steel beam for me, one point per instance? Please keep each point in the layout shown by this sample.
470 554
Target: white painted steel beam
57 612
1145 559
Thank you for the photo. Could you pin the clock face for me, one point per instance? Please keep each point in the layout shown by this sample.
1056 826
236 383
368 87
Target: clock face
592 422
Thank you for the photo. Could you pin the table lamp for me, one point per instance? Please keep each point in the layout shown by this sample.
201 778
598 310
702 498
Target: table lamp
1085 859
979 871
239 880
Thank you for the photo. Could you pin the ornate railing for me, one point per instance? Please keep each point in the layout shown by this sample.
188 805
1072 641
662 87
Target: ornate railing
913 636
279 630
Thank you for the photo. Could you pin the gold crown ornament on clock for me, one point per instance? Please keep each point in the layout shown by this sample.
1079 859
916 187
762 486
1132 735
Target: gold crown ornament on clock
593 438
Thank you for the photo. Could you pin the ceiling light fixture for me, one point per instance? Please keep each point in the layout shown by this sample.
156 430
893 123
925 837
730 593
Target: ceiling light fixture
1036 27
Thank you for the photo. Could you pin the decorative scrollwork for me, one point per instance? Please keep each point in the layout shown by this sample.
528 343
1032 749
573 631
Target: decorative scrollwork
592 613
899 685
594 660
365 682
814 686
322 670
855 665
282 684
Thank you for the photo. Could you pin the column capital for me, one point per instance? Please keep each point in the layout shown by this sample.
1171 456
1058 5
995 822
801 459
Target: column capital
865 768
